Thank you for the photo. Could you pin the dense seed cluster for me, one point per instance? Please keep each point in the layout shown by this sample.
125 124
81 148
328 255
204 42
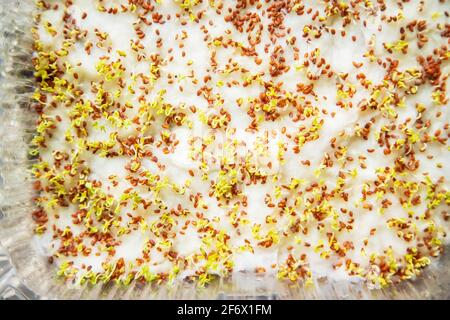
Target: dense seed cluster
189 139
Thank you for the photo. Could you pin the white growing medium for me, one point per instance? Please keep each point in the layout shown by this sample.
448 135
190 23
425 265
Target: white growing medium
184 138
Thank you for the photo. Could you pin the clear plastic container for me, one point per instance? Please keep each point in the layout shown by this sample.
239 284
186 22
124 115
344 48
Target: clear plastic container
25 274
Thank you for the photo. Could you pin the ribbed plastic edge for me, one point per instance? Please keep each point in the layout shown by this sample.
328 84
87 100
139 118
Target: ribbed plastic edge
26 273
